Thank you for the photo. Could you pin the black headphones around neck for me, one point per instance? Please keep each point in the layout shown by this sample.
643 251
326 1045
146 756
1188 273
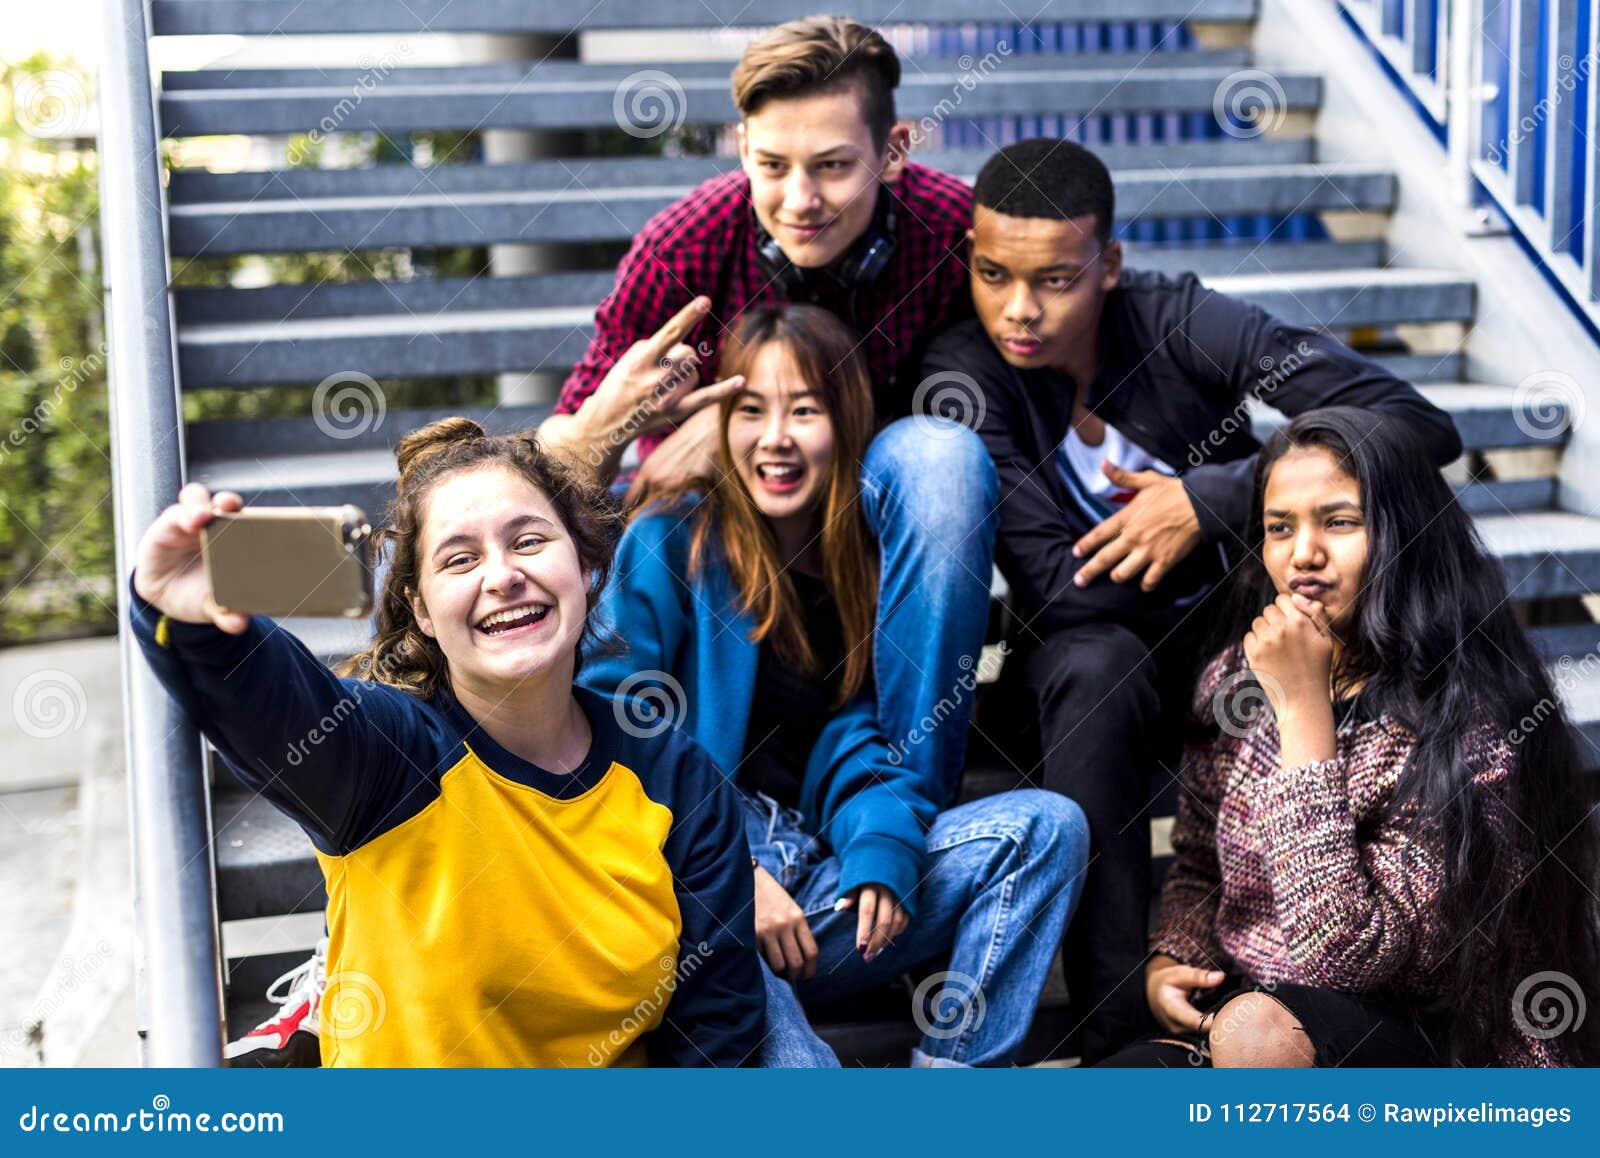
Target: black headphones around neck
860 266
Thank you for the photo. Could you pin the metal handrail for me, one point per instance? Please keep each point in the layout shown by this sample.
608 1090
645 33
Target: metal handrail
1537 153
1520 108
178 981
1412 36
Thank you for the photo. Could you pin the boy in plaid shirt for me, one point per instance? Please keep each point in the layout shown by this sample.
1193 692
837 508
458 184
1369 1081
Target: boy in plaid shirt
824 209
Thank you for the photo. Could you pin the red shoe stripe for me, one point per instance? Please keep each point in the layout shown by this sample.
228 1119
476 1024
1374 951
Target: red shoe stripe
279 1030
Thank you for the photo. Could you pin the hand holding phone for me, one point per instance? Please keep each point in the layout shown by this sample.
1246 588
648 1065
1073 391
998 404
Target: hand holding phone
168 571
308 561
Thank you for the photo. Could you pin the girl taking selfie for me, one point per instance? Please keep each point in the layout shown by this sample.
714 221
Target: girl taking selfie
1381 860
513 878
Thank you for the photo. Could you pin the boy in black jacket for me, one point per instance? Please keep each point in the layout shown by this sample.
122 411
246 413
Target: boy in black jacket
1114 406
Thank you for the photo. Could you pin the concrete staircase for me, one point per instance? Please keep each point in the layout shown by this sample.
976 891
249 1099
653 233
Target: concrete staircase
1254 213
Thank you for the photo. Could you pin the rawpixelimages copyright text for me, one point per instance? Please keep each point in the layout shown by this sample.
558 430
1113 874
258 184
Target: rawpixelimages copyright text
1386 1113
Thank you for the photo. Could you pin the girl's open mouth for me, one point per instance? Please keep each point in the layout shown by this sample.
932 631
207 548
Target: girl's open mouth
513 619
780 478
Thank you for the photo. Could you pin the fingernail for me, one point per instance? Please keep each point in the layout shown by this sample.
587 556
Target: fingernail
1077 579
838 907
1076 553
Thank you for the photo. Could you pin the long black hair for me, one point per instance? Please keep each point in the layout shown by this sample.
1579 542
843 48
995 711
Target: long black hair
1431 642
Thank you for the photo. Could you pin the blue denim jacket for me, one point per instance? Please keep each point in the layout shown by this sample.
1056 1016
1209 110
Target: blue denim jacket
689 649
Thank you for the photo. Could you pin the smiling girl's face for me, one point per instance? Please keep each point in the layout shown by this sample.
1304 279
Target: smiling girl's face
1315 541
781 438
501 589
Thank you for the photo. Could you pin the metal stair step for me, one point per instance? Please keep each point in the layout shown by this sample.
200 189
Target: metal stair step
1486 417
1250 257
253 437
1346 299
296 18
265 863
1545 553
409 332
191 187
426 214
1422 368
1484 497
304 462
1028 86
510 73
1490 416
1570 640
293 302
363 477
202 309
1576 673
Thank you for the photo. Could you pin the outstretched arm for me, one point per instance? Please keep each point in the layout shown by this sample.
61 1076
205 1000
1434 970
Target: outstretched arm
333 754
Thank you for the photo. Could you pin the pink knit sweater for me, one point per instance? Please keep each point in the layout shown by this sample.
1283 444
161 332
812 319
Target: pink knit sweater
1295 875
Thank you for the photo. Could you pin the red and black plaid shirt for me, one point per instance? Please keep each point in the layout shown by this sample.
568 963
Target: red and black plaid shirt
705 243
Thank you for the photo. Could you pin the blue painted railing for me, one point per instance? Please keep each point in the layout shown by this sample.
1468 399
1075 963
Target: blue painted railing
1412 36
1520 117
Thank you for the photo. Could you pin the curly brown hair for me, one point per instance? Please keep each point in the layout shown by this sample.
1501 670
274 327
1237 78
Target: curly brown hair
400 655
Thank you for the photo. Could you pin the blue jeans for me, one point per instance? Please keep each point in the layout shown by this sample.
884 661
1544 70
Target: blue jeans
1002 878
929 492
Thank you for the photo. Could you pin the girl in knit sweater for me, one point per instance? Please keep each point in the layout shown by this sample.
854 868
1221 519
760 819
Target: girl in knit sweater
1383 857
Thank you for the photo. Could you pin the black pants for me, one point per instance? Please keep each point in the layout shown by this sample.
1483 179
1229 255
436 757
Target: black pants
1344 1029
1111 703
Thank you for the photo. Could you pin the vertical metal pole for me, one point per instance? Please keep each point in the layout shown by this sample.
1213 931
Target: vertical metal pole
1462 119
1523 52
1419 39
1389 17
179 982
1591 160
1560 135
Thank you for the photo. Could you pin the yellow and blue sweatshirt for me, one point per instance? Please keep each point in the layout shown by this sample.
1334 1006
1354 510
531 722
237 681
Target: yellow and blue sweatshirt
483 911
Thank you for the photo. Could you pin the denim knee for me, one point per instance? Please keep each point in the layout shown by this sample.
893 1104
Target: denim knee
1056 827
1040 825
938 466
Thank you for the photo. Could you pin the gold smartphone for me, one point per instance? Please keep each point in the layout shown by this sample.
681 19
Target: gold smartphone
283 561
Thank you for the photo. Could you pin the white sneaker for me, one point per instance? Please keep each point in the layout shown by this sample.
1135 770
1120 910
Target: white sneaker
289 1039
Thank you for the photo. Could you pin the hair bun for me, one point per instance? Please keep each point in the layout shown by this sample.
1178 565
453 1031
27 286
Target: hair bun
424 443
